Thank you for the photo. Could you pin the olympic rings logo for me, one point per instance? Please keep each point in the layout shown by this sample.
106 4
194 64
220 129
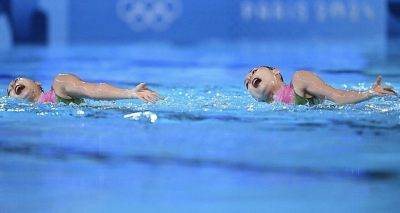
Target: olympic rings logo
143 15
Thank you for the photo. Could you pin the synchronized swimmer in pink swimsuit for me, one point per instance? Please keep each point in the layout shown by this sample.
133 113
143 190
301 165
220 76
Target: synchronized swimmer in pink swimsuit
69 88
266 84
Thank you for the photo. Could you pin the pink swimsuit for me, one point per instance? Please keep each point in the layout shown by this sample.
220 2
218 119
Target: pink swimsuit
285 94
49 96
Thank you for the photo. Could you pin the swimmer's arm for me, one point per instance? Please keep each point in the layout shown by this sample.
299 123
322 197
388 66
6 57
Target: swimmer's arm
70 86
318 88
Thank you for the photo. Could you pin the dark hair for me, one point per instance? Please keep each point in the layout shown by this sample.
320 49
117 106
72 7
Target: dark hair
268 67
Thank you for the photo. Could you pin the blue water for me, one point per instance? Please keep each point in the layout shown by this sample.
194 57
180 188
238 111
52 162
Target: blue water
208 147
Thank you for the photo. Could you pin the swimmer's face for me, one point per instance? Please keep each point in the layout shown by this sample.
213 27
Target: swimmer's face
24 88
261 81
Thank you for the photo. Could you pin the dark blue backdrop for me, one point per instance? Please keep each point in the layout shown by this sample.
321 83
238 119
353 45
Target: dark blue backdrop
77 21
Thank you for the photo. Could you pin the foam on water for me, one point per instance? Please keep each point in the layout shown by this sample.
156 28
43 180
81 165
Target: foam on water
204 103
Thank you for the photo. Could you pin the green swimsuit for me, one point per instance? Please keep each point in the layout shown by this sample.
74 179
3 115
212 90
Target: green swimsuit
298 100
68 101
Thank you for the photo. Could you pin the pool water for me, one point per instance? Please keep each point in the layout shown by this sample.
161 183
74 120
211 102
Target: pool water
208 147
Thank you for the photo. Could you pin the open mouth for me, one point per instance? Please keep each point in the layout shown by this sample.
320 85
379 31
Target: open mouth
19 88
256 82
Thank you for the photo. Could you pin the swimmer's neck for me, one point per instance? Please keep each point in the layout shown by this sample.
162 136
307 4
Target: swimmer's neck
277 86
37 96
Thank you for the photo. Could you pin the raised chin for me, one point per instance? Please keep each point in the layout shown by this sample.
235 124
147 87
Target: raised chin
30 96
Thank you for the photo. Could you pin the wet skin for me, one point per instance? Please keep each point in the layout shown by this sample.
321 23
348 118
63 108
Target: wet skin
264 82
68 86
24 88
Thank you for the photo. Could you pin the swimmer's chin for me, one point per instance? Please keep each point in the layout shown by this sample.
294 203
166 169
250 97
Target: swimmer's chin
265 101
30 97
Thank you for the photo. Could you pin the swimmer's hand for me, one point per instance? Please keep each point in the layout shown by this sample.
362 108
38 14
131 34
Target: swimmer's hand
145 94
379 90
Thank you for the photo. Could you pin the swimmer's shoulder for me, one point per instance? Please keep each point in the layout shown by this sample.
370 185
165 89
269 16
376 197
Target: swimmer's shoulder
300 82
66 77
300 77
303 73
60 83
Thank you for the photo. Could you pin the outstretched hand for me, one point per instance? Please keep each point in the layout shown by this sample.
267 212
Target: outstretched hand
146 94
379 90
